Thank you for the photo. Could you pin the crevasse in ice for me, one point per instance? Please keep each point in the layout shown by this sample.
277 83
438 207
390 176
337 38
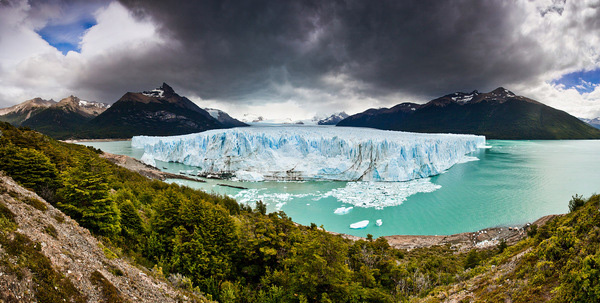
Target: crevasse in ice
313 152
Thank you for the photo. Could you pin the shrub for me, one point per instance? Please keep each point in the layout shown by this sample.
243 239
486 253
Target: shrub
576 202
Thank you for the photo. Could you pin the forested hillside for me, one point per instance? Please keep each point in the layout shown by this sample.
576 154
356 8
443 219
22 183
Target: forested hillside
231 253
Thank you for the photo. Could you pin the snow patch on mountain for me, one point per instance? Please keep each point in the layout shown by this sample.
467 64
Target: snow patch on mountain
155 93
84 103
215 113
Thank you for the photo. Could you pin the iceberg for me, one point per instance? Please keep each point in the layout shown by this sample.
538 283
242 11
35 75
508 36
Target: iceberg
379 222
342 210
359 224
313 153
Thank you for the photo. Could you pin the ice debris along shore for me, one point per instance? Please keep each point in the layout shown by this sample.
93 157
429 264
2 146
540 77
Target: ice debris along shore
313 153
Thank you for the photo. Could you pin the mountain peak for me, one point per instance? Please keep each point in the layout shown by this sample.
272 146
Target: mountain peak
167 89
501 91
164 91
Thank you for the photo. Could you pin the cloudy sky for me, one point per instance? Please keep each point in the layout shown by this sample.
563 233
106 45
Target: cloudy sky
299 58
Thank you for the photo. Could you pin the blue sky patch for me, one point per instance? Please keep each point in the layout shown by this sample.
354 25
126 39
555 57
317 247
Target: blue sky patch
582 81
66 37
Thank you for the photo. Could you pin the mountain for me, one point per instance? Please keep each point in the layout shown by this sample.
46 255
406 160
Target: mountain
593 122
18 113
224 118
159 112
333 119
499 114
66 117
251 118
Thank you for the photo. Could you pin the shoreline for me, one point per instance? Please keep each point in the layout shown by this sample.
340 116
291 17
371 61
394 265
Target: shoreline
93 140
484 238
143 169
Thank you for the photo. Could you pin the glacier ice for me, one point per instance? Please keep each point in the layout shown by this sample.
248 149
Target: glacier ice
313 152
148 159
359 224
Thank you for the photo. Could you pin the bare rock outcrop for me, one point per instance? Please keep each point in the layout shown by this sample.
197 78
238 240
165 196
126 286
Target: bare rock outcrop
77 259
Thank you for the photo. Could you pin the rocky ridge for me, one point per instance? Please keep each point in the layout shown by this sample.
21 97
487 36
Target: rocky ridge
92 272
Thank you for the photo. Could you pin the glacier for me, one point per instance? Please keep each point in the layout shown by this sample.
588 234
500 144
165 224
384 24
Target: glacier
313 152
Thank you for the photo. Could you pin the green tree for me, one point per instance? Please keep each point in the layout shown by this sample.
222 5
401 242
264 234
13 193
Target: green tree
204 243
132 228
576 202
85 197
472 259
29 167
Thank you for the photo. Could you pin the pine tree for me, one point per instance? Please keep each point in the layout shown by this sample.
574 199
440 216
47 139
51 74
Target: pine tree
29 167
86 199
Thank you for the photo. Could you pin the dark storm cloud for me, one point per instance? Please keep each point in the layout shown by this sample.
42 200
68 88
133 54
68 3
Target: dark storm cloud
232 49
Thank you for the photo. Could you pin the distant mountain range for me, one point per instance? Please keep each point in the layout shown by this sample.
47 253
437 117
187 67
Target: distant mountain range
499 114
224 118
333 119
593 122
319 119
17 114
159 112
66 117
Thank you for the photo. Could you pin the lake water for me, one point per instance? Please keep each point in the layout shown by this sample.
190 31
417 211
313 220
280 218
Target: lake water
512 183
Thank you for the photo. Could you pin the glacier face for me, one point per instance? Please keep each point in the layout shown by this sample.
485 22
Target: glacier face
313 152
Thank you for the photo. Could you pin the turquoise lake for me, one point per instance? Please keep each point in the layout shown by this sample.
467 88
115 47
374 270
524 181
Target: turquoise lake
512 183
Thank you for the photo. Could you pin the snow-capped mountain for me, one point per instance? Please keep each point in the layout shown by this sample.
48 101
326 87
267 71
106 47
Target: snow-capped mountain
499 114
66 117
16 114
92 107
333 119
82 107
316 120
593 122
251 118
224 118
159 112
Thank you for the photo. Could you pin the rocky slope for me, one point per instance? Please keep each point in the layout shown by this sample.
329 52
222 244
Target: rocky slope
499 114
558 262
16 114
46 256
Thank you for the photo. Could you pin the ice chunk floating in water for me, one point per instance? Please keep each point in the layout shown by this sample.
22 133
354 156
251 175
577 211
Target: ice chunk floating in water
313 153
342 210
359 224
379 222
381 194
